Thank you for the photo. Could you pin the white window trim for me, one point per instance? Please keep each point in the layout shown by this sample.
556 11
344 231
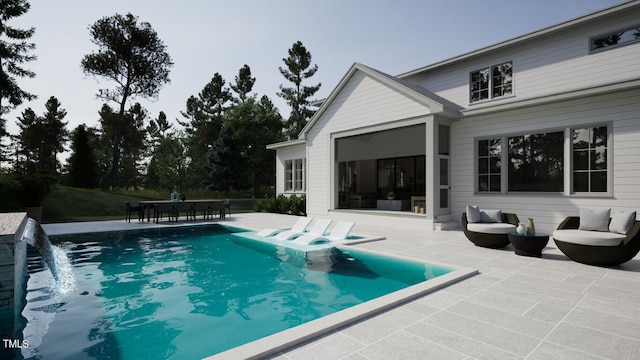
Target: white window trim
568 164
292 177
490 90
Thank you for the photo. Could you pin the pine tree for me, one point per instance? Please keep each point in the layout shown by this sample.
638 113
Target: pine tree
13 53
223 167
83 166
297 97
133 56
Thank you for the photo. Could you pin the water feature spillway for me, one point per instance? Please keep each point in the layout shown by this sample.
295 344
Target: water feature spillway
54 257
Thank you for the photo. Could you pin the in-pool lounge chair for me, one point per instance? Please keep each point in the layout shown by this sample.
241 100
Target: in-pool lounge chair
487 231
299 227
340 232
600 248
318 228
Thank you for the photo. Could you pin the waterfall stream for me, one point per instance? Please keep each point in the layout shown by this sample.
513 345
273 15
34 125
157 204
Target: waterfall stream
54 257
48 287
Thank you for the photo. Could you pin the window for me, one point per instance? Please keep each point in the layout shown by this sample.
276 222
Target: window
589 148
489 165
616 39
536 162
491 82
294 175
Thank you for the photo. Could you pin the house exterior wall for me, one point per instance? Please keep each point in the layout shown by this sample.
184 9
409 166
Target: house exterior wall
362 103
620 109
298 151
554 63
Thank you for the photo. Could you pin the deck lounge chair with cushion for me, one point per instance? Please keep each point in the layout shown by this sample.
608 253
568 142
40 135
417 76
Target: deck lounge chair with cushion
133 210
488 228
318 228
300 226
595 238
340 232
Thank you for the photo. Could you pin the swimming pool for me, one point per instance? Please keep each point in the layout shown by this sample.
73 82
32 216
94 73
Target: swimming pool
196 291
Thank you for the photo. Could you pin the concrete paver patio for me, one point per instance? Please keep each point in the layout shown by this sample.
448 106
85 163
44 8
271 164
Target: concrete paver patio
515 308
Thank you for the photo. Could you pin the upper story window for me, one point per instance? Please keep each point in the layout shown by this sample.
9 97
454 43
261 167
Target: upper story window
491 82
615 39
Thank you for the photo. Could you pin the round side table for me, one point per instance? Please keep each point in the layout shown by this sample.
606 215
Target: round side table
529 245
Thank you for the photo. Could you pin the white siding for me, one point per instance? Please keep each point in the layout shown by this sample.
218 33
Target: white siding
287 153
551 64
362 102
621 110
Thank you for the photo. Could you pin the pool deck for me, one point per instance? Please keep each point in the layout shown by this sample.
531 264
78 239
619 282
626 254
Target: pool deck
515 308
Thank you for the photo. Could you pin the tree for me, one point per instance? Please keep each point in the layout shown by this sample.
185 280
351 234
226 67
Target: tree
56 137
298 68
244 84
205 114
255 125
157 129
83 166
133 56
13 53
30 141
224 169
42 138
170 163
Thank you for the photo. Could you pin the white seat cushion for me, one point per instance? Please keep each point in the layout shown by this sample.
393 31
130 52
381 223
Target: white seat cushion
592 238
491 228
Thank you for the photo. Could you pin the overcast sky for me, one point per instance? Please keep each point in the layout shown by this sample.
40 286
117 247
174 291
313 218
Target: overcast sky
206 36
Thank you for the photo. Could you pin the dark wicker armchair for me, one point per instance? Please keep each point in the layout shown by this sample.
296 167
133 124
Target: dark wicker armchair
489 240
600 255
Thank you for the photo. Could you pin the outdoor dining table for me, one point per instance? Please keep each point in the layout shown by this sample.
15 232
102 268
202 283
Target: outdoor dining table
214 204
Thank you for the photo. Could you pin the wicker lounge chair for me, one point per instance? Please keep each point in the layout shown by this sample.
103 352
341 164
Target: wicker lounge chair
601 255
133 209
489 240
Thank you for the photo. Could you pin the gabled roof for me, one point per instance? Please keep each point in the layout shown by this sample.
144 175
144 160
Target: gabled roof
437 104
611 11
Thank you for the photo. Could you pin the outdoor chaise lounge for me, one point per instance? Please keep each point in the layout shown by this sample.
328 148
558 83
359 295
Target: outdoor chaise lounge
488 228
300 226
318 228
607 242
340 232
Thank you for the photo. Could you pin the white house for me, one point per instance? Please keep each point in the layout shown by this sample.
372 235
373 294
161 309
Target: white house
538 125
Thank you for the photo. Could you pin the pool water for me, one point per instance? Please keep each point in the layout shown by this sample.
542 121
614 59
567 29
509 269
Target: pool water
192 293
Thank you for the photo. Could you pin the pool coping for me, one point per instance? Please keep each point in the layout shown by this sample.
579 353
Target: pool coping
286 339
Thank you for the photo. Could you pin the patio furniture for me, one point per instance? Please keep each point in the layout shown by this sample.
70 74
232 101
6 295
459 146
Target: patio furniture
185 207
490 234
528 245
164 208
340 232
318 228
598 248
133 209
227 206
300 226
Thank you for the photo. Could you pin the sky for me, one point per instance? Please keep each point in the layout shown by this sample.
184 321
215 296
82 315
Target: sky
205 37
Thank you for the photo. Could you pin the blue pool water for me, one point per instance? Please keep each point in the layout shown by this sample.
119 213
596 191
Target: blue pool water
191 293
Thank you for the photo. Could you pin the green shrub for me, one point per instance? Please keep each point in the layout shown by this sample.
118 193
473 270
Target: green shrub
258 204
297 205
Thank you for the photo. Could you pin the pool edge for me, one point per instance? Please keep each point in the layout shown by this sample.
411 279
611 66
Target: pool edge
286 339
